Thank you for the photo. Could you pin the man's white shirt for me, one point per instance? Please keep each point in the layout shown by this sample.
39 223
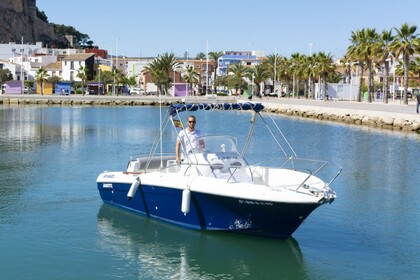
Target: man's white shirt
189 139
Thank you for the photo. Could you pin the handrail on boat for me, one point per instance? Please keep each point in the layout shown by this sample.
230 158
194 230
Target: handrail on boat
294 160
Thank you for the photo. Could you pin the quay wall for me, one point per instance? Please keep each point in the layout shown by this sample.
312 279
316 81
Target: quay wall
383 120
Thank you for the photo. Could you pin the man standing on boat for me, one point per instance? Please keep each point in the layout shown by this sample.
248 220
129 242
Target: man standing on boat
189 139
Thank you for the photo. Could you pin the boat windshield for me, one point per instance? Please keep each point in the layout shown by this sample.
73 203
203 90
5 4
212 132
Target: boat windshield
220 144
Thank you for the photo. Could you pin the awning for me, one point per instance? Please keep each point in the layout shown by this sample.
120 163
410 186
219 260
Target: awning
177 108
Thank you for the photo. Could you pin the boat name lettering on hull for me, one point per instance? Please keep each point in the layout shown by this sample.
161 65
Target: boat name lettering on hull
227 157
255 202
108 176
107 186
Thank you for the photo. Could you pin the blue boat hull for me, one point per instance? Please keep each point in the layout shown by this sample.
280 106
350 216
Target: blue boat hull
211 212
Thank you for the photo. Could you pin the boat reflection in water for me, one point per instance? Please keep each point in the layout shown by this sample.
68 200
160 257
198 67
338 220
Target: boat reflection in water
150 249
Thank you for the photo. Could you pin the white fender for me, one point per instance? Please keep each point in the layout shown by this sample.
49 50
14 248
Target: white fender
186 198
133 189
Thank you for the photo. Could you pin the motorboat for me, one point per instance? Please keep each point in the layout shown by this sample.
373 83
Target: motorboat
215 187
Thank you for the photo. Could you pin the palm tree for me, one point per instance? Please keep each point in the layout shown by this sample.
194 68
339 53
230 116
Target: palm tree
415 68
355 52
365 43
41 77
160 69
406 44
296 60
312 73
324 68
107 78
200 56
191 77
158 75
274 63
54 80
238 72
383 52
82 73
260 74
307 74
215 57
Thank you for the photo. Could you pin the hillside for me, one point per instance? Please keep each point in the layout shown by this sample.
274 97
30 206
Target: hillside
21 18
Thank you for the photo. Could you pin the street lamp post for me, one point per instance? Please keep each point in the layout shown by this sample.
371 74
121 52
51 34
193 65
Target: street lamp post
99 79
275 72
294 74
350 80
173 84
252 86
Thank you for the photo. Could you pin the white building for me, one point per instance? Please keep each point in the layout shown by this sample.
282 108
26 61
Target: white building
135 67
72 63
14 49
12 67
31 64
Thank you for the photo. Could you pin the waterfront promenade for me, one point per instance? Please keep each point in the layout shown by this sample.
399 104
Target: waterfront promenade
393 115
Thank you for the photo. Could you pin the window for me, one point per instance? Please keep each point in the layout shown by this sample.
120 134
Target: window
72 65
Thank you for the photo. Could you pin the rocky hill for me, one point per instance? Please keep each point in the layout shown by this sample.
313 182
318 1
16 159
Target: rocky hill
20 18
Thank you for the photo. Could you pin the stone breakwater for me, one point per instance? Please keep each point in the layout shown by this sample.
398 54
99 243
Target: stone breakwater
376 119
384 120
85 101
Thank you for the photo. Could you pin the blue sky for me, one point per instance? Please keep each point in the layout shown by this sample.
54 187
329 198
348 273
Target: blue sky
151 27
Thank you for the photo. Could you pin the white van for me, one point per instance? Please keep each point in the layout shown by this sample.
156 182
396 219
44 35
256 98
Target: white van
137 90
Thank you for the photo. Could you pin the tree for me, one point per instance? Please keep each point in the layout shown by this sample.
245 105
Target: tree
80 39
355 53
297 62
260 74
364 47
221 81
106 78
274 63
54 80
215 57
41 77
406 44
200 56
311 74
383 52
82 73
41 15
160 69
191 77
5 76
415 68
238 72
324 68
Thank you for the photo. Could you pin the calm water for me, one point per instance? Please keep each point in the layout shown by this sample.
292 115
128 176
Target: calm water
53 224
